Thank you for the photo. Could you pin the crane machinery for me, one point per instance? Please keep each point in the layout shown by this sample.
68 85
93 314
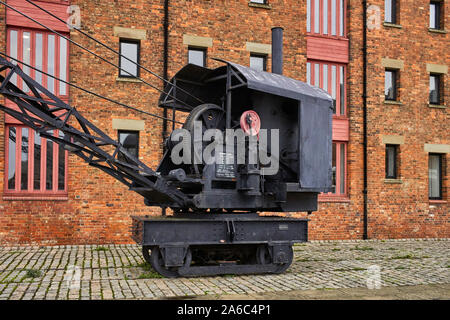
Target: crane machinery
217 225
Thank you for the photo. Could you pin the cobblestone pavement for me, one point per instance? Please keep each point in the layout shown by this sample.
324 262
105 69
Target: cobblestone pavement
119 272
416 292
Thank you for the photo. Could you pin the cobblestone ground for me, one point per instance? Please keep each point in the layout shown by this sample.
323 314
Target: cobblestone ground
119 272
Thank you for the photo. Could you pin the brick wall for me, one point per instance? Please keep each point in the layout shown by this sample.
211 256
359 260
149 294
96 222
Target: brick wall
403 210
3 220
98 208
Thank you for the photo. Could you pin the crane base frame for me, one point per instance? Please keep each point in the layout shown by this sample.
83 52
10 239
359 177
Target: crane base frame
238 243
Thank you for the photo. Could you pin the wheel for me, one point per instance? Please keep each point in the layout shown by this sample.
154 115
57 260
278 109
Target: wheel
283 267
146 253
263 255
210 116
158 264
188 258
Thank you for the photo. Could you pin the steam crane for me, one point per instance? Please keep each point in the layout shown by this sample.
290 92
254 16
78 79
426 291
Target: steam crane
217 226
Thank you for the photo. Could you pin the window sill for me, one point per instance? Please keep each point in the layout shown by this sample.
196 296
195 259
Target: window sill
437 106
392 25
437 30
120 79
259 5
393 181
61 197
340 116
331 199
327 36
437 201
393 102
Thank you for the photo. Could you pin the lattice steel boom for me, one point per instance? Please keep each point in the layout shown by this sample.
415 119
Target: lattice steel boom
43 112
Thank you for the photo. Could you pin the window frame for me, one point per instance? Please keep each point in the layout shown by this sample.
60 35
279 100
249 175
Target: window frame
438 89
437 15
393 5
120 131
259 55
440 175
30 192
42 193
202 49
395 155
338 111
138 62
395 78
340 19
338 195
57 57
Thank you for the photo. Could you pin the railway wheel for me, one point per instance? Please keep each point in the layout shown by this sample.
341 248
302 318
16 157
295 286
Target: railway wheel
158 264
283 267
263 255
146 253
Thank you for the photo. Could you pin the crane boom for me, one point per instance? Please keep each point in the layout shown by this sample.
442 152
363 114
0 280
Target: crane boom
44 112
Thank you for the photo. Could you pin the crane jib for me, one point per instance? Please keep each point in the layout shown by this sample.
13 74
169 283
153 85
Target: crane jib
43 111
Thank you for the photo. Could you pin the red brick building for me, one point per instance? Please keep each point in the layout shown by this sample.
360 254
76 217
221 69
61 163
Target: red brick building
389 82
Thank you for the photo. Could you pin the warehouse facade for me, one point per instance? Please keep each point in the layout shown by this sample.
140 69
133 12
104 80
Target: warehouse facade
389 83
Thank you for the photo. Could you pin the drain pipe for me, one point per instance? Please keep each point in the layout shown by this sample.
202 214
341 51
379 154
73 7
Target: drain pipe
165 64
165 75
365 213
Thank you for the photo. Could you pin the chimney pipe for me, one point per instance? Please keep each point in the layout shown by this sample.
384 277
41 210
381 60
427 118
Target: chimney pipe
277 50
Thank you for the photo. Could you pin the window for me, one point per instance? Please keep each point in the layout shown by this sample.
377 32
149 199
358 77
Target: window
326 17
259 1
435 15
130 142
391 161
331 77
339 160
390 85
131 50
35 165
258 62
197 56
435 89
390 11
435 176
44 51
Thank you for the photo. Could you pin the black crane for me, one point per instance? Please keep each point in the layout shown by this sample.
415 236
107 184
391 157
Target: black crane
216 226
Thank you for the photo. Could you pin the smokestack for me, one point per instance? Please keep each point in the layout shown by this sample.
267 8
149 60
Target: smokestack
277 50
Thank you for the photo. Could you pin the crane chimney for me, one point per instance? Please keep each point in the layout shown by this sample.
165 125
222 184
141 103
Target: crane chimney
277 50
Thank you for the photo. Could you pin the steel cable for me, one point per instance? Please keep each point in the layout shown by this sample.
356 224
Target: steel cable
114 51
89 51
88 91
